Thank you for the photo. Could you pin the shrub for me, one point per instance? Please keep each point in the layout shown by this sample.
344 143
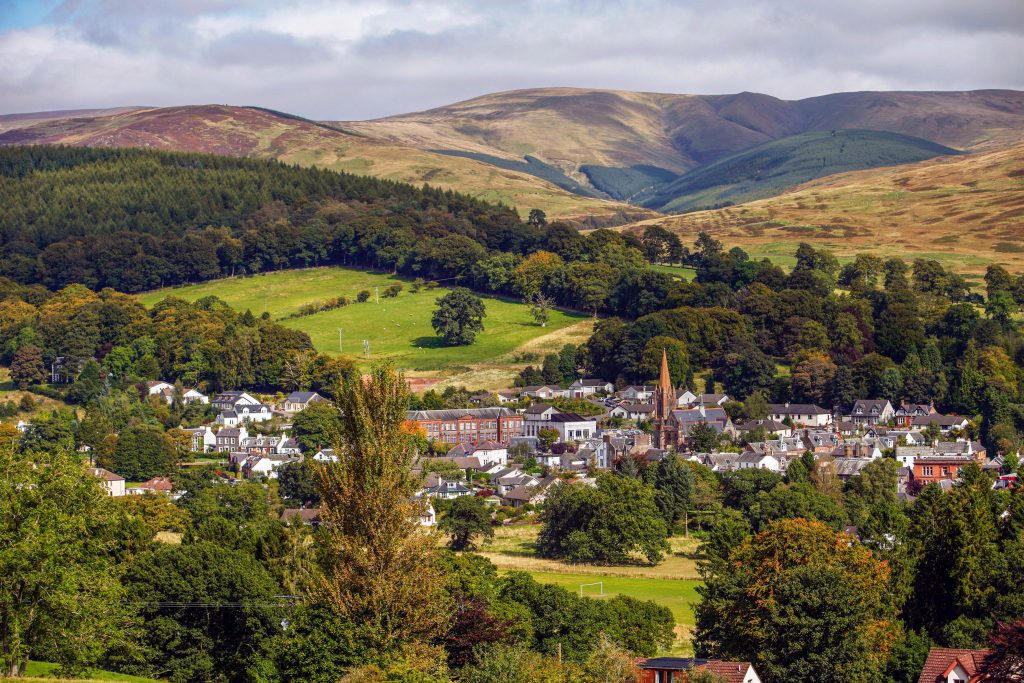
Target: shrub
362 296
392 290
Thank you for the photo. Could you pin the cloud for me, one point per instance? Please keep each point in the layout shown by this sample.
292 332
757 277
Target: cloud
361 59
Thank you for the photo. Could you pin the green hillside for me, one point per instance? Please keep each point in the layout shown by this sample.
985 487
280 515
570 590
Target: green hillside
624 183
397 329
769 169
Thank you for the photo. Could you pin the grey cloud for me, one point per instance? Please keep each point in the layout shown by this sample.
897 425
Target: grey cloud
383 63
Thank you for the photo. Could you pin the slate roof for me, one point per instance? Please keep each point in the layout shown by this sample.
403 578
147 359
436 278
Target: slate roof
570 417
456 413
796 409
539 408
301 397
103 474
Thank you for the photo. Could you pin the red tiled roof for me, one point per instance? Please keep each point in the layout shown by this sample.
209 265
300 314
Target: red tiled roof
940 661
729 672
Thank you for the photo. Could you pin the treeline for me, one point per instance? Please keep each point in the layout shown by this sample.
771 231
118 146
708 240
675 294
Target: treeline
872 328
204 342
135 219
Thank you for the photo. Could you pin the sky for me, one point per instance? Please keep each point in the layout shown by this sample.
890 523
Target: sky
348 60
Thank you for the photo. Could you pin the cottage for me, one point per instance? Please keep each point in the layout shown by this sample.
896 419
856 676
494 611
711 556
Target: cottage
157 485
448 488
953 665
325 455
806 414
633 411
544 392
869 413
507 396
769 426
297 401
245 413
673 670
752 459
112 483
945 423
588 387
637 393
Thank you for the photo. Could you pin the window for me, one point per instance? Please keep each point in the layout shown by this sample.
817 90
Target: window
928 470
945 471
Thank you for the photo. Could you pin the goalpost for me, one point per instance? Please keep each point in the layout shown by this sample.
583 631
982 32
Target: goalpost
599 584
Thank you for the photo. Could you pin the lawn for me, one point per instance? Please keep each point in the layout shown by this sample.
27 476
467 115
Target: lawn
43 671
672 583
397 329
685 272
9 392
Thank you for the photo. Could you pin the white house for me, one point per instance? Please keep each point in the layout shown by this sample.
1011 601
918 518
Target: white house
806 414
297 401
490 453
759 461
573 427
227 400
637 393
588 387
685 397
203 439
113 483
245 413
325 455
544 391
633 411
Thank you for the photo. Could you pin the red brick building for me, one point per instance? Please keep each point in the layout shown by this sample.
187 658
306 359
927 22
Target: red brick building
473 425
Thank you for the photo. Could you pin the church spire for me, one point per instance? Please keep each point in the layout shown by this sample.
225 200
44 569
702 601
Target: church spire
666 378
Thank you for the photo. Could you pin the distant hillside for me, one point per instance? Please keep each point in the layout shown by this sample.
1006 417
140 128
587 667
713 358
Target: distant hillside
768 169
571 128
261 133
966 211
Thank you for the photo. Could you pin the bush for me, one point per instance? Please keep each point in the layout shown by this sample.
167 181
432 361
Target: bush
392 290
362 296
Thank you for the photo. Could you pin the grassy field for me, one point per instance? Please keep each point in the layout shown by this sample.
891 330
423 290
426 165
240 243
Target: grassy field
43 671
397 329
9 392
672 583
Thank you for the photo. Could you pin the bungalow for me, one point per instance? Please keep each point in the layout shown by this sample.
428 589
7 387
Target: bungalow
297 401
871 412
806 414
758 460
113 483
543 391
325 455
675 670
166 391
769 426
157 485
447 489
633 411
289 447
953 665
507 396
588 387
230 438
637 393
945 423
310 516
485 398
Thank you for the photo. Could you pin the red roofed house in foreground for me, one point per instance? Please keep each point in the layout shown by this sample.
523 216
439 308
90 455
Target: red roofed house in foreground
951 665
674 669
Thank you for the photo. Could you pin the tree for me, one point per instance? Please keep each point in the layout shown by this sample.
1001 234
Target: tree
678 360
459 316
801 602
143 452
1006 661
316 427
377 568
297 482
467 518
59 581
609 663
603 525
546 436
225 639
673 487
703 438
812 379
27 367
540 308
537 218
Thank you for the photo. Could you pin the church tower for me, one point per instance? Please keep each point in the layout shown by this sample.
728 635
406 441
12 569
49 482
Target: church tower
665 400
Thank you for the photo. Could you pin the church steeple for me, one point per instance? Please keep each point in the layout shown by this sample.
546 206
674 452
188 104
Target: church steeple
666 398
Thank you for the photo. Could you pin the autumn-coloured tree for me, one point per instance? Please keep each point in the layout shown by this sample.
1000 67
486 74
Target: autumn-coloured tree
800 601
27 367
377 564
1006 661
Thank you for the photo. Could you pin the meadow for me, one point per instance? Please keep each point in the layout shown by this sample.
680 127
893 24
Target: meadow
396 329
44 671
672 583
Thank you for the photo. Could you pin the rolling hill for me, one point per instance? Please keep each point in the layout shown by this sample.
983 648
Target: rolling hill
571 128
770 168
966 211
260 133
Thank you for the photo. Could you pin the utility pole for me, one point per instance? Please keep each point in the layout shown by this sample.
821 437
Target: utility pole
340 347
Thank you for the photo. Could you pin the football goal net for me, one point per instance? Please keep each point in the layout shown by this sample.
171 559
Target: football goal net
592 588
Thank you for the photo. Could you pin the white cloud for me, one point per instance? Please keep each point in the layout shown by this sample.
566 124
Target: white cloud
357 59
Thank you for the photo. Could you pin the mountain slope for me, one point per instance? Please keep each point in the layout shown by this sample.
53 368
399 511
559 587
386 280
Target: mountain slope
252 132
770 168
570 128
966 211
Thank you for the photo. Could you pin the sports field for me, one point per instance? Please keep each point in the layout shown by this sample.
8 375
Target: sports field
397 329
